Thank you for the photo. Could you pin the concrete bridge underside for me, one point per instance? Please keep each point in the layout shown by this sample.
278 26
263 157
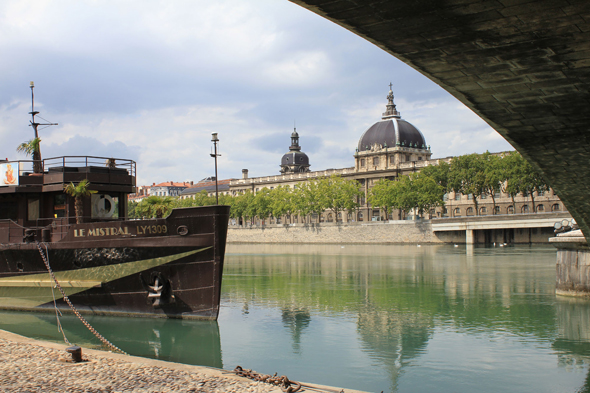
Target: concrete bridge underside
522 65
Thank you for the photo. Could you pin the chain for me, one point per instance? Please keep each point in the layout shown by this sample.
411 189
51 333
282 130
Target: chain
281 381
65 297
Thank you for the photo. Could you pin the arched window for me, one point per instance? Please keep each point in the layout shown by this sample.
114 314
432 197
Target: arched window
524 209
555 207
339 217
330 217
540 208
497 210
457 212
469 211
483 210
360 216
510 209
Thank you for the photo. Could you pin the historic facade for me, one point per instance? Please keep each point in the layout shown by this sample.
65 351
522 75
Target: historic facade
390 148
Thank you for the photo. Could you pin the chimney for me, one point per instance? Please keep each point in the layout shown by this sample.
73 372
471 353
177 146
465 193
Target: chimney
244 173
153 184
171 183
191 182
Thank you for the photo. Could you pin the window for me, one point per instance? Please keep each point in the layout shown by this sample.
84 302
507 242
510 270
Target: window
457 212
419 158
483 196
34 207
541 193
497 210
555 207
510 209
470 197
483 211
375 160
525 209
362 162
469 211
540 208
446 197
457 196
391 159
407 157
360 216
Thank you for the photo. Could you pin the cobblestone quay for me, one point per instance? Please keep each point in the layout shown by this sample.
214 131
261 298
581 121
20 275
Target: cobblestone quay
28 365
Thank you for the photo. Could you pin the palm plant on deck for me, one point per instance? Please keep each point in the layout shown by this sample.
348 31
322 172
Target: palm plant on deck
32 148
79 192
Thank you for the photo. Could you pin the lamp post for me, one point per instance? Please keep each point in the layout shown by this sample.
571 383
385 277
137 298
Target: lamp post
215 140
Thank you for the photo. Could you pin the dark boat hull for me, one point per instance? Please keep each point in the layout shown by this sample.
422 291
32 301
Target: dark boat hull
157 268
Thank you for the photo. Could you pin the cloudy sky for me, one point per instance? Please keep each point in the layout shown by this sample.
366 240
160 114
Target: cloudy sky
151 80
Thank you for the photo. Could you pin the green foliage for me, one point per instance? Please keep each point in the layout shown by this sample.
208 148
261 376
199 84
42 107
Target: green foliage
467 176
155 206
383 195
32 148
79 192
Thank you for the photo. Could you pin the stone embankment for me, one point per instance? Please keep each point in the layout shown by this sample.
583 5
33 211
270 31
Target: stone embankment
28 365
378 233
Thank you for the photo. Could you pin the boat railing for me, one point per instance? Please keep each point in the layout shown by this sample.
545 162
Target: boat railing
78 164
59 227
93 163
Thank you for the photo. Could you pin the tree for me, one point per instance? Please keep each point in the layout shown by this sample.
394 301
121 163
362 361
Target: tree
440 173
282 201
338 194
493 176
311 199
32 148
155 206
531 181
261 204
467 176
79 192
382 195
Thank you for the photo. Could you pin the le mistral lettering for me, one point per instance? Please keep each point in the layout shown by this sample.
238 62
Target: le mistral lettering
124 231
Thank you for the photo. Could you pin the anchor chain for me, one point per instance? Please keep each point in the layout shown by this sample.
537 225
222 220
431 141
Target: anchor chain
65 297
282 381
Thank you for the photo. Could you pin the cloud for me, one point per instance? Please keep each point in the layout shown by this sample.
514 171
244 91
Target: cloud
151 81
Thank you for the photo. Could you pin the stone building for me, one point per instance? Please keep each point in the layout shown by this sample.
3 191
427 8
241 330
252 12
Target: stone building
168 188
390 148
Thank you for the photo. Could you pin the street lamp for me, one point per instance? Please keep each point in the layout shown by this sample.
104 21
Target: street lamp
215 140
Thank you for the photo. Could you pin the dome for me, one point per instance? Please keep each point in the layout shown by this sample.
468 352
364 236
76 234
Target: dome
295 158
391 133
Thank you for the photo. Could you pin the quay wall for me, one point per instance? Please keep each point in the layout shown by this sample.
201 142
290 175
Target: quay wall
341 233
383 232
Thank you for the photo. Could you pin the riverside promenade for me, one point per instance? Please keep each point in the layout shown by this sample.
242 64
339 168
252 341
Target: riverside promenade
28 365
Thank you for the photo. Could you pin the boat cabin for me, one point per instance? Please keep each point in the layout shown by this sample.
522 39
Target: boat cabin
36 201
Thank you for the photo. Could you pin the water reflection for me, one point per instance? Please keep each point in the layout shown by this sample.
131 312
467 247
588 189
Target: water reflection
191 342
406 298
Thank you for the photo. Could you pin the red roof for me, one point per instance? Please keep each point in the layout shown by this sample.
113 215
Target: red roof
172 184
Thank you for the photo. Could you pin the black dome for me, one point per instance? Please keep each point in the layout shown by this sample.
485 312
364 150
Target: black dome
391 133
295 158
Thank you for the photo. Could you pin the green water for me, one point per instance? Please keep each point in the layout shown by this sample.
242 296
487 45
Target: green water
374 318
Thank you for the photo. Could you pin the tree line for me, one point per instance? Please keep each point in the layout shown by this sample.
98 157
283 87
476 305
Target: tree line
473 174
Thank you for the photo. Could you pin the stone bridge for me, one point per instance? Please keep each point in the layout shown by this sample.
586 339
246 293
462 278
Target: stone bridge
522 65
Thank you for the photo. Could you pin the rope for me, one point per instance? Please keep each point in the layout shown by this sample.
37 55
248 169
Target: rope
65 297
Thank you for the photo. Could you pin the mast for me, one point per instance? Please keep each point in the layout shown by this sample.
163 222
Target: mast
35 144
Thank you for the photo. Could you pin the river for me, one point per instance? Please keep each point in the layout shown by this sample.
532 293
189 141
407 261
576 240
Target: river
393 318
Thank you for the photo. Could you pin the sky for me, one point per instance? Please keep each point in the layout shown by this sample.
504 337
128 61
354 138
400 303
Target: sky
151 80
